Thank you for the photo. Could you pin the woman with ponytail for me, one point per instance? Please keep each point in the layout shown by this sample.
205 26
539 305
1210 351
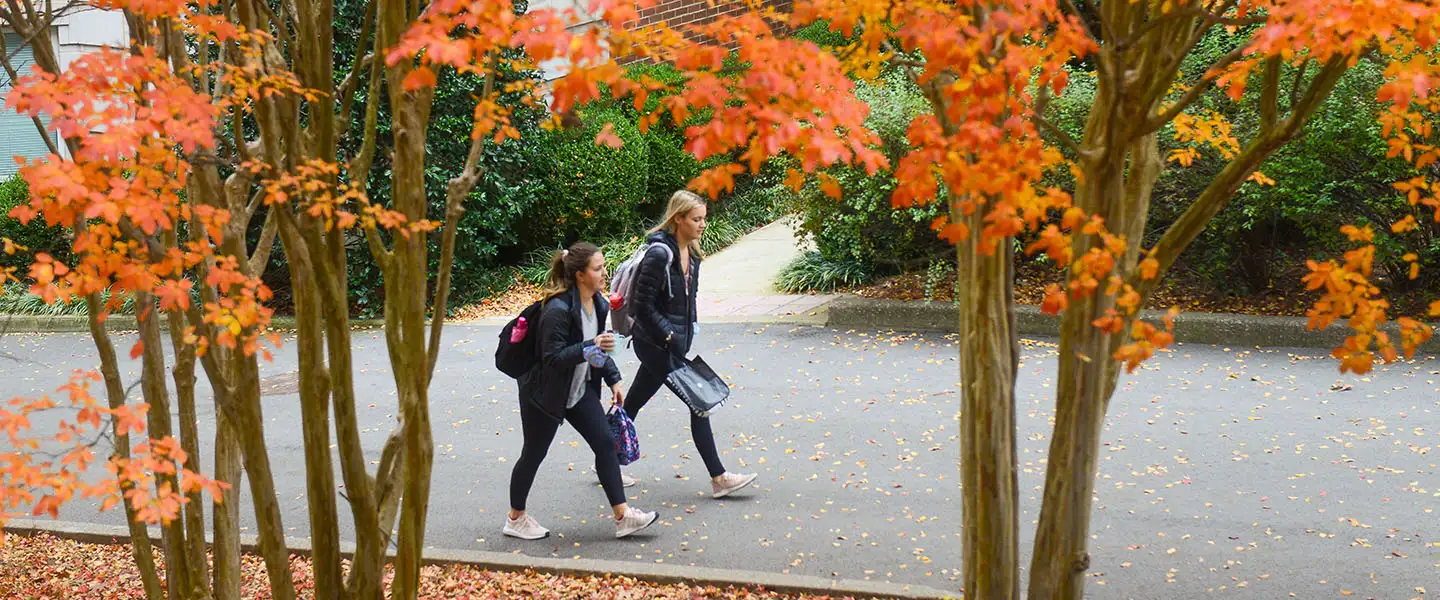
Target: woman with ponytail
574 359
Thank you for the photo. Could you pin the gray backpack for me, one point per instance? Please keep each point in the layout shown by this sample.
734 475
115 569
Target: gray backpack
622 318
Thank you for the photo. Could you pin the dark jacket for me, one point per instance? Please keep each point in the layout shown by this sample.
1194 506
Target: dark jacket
664 305
562 347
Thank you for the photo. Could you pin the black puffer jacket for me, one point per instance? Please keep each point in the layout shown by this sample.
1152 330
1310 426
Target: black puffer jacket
664 305
562 347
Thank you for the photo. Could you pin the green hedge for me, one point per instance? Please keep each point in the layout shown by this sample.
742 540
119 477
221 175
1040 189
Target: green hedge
36 235
861 233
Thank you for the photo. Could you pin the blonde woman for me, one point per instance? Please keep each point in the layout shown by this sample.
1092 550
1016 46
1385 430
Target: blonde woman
565 386
664 309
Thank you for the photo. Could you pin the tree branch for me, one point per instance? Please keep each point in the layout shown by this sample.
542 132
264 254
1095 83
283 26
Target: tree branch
360 165
1295 85
1208 18
1074 10
456 191
1190 224
260 259
1269 94
1065 138
14 77
1192 94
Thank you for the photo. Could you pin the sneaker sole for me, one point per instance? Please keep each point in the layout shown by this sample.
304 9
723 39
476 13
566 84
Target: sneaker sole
619 535
518 536
727 492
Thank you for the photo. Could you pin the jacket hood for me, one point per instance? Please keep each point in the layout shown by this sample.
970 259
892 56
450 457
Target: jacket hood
664 237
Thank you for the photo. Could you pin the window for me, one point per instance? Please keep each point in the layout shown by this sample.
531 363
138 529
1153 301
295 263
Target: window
17 132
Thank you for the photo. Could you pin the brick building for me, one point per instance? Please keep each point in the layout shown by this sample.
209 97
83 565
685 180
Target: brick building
675 12
697 12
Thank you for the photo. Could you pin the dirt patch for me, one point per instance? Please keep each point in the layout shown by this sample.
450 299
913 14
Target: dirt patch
507 304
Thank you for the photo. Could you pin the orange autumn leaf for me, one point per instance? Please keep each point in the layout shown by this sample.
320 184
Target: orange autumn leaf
421 77
607 137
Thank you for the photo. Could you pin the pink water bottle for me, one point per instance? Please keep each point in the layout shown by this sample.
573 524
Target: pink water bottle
518 332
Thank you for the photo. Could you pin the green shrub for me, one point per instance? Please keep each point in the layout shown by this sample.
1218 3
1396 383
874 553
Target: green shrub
590 191
820 33
862 228
670 168
1334 172
35 235
812 271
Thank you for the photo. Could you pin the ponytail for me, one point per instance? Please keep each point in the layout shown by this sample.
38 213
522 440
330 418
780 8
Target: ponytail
564 264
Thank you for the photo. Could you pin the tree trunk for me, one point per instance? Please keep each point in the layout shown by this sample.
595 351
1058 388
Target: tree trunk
227 508
152 384
405 300
140 546
1088 371
989 357
315 417
368 562
251 429
405 329
194 510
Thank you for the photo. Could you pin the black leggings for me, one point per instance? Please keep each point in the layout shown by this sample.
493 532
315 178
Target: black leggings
647 382
587 418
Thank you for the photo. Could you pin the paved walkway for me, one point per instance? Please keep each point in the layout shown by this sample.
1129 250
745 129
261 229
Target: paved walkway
738 283
1236 474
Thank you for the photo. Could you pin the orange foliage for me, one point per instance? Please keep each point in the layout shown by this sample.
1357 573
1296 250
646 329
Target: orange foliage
136 127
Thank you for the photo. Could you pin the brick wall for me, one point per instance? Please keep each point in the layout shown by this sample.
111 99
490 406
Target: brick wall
696 12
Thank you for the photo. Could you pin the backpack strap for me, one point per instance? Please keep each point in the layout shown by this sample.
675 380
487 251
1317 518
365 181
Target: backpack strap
669 260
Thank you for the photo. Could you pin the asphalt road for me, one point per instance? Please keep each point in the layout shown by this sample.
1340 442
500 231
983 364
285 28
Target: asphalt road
1240 473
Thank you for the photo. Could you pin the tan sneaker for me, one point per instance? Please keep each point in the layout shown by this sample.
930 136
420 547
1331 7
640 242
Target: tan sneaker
730 483
525 528
634 520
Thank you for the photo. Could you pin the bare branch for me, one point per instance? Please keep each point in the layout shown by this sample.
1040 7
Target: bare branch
360 165
261 257
357 66
456 191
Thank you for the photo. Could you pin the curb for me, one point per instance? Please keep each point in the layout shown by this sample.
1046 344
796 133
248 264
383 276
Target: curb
1225 329
500 561
23 324
13 323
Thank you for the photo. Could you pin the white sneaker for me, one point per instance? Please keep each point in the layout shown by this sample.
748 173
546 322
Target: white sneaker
525 528
730 483
634 520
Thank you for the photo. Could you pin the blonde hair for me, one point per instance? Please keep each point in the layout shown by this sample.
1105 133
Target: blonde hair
564 264
681 203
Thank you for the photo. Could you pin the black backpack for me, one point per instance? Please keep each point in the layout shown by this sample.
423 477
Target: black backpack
518 358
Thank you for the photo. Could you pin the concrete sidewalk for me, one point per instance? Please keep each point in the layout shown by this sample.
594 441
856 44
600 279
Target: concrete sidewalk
738 283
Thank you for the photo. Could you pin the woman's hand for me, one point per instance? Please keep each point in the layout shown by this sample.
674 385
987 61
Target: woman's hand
617 397
606 341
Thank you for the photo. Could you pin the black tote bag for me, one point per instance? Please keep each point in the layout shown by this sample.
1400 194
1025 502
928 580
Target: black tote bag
697 385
